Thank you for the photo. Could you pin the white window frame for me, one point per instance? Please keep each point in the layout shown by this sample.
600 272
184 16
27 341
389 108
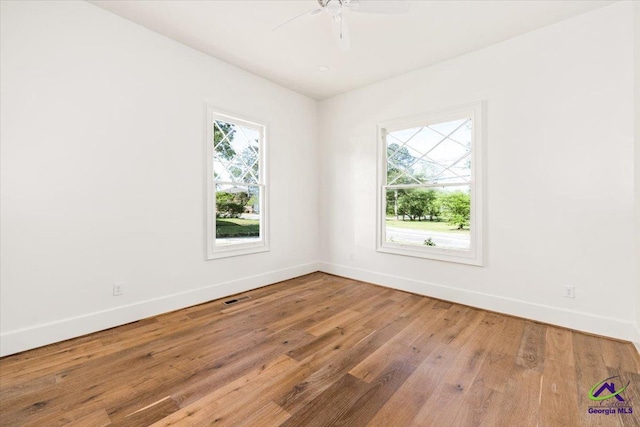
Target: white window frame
474 256
212 250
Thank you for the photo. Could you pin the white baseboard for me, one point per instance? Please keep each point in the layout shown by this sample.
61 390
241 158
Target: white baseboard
580 321
36 336
636 338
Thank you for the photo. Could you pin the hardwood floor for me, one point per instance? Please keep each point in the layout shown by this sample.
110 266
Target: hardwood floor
321 350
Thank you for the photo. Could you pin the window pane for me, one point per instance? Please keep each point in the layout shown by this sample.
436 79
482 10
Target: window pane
439 153
236 153
426 217
237 214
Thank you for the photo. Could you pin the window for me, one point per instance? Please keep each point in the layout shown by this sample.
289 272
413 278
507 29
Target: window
236 186
430 186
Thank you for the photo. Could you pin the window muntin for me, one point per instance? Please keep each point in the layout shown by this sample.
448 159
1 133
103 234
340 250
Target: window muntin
430 154
430 186
236 186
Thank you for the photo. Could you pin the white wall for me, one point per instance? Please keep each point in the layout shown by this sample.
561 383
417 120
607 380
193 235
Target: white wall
560 175
103 173
636 49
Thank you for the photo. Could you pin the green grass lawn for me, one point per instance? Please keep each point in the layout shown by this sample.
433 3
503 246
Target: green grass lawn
237 227
442 227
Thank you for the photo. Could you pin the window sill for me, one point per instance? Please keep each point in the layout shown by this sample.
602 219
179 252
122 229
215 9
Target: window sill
448 255
219 253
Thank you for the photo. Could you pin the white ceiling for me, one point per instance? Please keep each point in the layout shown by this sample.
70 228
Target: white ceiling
240 32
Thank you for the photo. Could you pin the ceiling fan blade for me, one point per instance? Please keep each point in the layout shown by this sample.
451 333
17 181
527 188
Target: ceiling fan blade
379 6
341 31
309 12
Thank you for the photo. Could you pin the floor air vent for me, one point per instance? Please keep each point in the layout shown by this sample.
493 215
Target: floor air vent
236 300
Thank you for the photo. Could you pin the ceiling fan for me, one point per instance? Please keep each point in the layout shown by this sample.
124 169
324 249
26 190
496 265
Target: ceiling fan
338 23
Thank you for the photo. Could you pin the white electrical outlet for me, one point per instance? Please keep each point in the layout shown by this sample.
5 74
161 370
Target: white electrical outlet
569 291
352 257
117 289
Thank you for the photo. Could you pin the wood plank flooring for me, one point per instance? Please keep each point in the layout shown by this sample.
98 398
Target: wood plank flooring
321 350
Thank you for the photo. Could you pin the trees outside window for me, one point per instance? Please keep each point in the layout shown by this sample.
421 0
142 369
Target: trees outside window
236 186
430 185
